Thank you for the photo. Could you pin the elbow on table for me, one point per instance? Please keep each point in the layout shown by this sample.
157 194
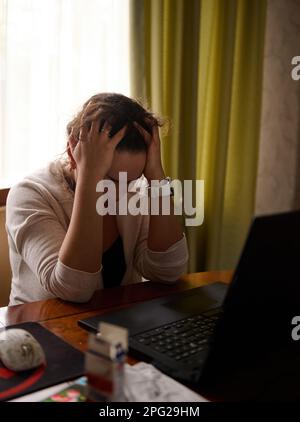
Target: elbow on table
167 267
169 275
69 288
72 295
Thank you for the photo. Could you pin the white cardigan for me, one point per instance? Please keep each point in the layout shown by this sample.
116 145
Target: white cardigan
38 213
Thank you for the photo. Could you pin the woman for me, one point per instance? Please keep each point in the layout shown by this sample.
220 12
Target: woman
60 244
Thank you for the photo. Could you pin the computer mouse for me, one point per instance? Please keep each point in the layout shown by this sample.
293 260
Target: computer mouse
19 350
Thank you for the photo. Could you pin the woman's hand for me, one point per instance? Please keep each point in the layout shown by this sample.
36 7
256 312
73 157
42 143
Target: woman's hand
94 152
153 169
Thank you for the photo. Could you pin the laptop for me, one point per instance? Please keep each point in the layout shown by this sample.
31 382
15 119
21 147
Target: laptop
230 343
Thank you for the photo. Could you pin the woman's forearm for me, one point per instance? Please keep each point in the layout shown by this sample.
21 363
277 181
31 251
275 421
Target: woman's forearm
92 156
164 230
82 246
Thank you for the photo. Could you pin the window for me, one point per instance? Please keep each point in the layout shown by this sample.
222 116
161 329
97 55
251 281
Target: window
54 54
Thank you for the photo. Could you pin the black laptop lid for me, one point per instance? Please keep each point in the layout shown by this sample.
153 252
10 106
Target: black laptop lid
253 355
268 272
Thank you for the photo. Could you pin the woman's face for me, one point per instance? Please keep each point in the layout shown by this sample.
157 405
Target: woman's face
133 163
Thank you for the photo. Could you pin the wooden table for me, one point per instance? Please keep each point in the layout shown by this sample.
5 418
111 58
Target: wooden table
61 317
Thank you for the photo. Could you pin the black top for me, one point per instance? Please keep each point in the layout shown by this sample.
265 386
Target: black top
113 264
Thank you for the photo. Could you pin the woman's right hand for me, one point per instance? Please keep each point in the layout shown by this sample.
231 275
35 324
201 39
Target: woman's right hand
94 151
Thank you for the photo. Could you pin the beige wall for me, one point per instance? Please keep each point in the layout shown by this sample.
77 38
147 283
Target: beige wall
278 182
5 273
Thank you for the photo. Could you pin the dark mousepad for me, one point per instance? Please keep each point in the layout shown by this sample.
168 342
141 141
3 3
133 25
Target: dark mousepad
63 363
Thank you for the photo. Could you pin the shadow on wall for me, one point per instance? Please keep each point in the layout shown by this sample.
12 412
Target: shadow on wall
5 271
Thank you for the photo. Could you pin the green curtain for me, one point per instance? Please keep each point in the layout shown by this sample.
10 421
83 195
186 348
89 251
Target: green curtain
200 63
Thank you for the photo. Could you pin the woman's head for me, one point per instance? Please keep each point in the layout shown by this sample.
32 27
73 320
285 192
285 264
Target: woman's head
117 110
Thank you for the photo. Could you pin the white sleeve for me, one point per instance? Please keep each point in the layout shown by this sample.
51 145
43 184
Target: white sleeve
37 236
164 267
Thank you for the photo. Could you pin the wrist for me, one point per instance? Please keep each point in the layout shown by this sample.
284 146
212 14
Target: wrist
87 181
91 175
156 174
163 188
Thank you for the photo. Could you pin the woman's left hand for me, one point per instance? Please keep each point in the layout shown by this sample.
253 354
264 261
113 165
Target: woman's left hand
153 168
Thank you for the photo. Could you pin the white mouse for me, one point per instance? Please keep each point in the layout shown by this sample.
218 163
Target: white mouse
19 350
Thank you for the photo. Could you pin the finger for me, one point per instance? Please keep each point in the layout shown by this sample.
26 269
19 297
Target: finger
83 133
146 135
90 108
95 128
71 134
94 115
151 123
118 136
154 129
72 142
105 131
155 132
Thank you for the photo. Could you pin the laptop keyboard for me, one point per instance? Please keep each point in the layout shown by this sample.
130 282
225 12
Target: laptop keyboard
182 340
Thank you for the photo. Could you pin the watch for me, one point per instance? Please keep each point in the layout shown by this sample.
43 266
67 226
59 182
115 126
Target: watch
164 188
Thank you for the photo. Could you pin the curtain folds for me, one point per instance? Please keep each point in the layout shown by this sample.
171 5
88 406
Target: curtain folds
200 64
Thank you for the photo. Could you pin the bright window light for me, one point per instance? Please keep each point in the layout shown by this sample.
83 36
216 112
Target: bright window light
54 54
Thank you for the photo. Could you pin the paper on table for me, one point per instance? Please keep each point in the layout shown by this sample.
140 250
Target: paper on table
143 383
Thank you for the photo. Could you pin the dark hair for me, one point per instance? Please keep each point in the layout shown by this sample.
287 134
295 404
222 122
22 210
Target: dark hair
117 110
